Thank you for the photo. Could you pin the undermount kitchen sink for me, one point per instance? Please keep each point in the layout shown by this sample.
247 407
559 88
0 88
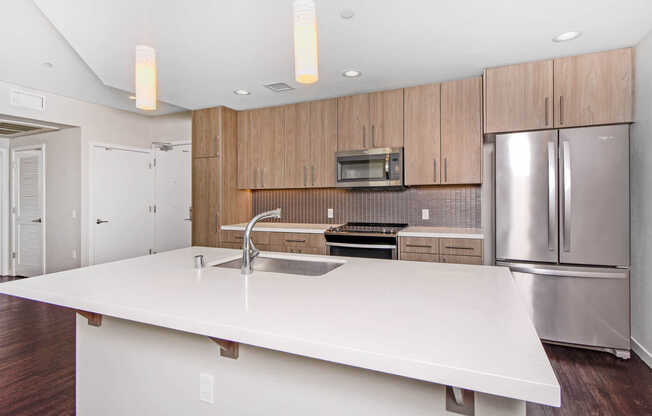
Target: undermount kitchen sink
285 266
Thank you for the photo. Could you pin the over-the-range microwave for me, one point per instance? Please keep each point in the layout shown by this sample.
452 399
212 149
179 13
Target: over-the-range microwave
379 167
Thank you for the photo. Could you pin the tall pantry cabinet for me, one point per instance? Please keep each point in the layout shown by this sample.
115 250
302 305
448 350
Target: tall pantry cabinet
216 199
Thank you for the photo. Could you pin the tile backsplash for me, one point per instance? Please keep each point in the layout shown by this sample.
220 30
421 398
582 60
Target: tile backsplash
450 206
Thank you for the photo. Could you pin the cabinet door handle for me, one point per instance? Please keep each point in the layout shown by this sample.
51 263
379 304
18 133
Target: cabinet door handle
561 109
215 144
216 223
434 171
262 177
255 176
445 170
418 245
305 175
459 248
546 104
295 241
312 169
373 135
364 136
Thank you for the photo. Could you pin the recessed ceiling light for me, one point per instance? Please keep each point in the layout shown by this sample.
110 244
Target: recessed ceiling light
241 92
566 36
347 14
351 73
132 97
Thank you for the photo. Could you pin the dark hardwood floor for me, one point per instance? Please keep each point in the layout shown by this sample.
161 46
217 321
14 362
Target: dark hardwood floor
37 358
37 369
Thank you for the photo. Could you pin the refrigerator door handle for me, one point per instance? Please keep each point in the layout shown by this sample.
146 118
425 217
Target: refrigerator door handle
552 193
567 196
543 271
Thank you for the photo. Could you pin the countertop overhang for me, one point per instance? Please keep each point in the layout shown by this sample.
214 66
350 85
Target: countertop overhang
456 325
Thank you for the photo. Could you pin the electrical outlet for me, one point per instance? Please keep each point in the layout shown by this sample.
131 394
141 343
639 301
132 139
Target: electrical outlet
206 388
74 253
74 214
330 212
425 214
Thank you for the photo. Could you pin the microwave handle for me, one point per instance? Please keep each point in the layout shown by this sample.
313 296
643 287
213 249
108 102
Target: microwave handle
387 167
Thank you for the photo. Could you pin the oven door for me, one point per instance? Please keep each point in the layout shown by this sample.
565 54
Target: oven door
372 167
372 251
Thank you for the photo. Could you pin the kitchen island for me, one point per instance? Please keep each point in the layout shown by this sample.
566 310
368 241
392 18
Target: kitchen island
370 337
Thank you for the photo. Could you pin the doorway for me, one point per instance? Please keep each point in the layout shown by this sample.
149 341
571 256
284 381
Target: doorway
172 193
121 209
28 210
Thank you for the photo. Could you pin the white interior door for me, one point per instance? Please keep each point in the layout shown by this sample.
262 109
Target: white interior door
121 203
173 180
28 213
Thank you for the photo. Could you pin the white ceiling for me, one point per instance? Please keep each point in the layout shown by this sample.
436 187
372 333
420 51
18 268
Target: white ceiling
28 39
208 48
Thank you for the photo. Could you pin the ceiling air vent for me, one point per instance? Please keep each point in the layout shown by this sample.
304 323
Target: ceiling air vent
9 128
279 87
27 100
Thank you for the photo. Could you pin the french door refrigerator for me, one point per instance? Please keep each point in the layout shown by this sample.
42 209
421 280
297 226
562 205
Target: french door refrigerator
562 227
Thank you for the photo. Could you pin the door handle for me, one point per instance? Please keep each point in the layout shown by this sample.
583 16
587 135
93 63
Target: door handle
373 136
312 173
97 221
189 215
445 169
567 196
305 175
37 220
255 176
364 137
552 193
434 171
561 109
546 104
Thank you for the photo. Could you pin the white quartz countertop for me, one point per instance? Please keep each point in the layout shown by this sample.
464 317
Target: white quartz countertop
457 325
282 227
441 232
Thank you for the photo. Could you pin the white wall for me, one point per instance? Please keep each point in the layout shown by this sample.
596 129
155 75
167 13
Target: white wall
641 190
63 195
99 124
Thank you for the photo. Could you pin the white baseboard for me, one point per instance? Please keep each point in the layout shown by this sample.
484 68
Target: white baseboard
643 353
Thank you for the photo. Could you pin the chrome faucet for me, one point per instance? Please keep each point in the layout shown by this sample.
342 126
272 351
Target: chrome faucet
249 251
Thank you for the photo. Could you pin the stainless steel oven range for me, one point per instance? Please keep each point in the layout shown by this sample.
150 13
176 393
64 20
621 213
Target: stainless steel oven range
363 239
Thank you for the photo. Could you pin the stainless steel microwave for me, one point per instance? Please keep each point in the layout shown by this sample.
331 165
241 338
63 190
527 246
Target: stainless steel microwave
379 167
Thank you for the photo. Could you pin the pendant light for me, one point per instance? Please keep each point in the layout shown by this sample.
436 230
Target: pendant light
145 78
306 62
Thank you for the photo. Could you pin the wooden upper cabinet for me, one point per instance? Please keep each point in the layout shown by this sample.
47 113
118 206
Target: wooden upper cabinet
461 131
297 145
422 135
323 141
205 132
595 88
386 118
245 170
353 122
518 97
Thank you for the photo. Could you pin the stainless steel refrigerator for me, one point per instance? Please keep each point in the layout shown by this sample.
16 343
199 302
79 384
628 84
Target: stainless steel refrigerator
562 226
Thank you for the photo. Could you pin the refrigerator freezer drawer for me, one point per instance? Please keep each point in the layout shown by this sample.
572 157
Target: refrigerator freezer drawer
577 305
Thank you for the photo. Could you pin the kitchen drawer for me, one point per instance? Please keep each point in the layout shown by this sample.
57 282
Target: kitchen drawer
258 237
460 246
450 258
306 250
423 245
297 240
419 257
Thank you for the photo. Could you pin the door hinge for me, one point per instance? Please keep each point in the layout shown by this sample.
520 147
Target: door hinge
151 209
13 255
154 208
13 210
154 162
152 251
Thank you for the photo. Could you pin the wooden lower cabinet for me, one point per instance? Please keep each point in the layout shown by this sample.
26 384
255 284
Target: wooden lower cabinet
259 238
448 258
441 250
298 243
434 258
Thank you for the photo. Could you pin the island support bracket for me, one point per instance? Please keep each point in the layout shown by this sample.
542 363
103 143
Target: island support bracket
94 319
460 401
228 349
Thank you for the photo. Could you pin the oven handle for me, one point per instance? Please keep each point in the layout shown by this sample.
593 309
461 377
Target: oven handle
377 246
